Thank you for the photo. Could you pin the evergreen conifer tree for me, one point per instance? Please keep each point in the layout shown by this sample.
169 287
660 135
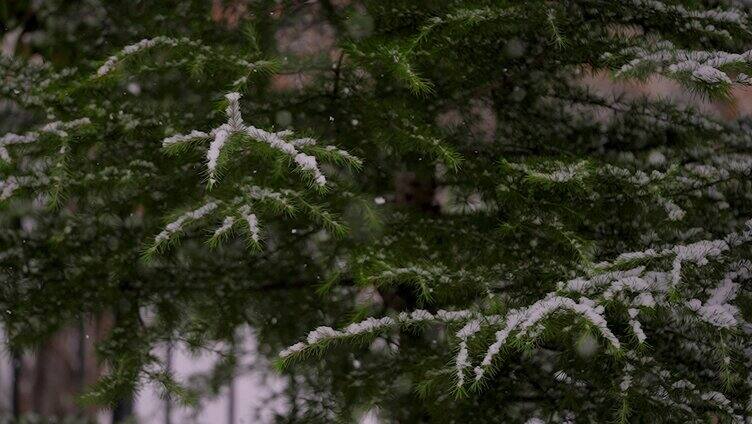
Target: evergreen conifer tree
420 208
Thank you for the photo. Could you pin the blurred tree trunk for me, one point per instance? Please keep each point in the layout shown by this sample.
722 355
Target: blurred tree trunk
16 385
168 398
123 410
48 381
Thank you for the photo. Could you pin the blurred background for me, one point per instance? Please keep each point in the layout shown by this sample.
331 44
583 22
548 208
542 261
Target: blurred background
46 382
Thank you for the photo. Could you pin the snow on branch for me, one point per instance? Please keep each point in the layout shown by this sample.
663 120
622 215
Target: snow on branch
223 230
636 288
252 221
582 173
243 211
522 320
642 374
236 211
161 41
279 201
667 190
699 66
304 161
558 172
372 325
220 136
184 138
717 311
13 183
174 228
57 128
730 16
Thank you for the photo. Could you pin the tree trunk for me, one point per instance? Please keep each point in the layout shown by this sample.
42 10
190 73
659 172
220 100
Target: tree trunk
123 410
16 385
168 398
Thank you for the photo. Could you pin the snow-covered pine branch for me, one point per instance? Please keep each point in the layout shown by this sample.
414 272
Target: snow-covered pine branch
243 211
243 207
147 43
56 128
221 135
373 325
587 175
181 139
705 69
173 230
252 221
710 21
223 231
588 298
281 202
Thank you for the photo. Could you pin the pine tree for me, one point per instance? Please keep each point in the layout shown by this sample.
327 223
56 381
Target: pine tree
421 208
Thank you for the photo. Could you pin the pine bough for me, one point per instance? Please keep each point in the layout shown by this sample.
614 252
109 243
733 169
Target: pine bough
240 209
640 290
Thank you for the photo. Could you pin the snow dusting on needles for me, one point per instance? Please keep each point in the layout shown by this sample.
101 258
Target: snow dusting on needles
57 128
702 66
176 226
235 125
113 61
636 288
252 221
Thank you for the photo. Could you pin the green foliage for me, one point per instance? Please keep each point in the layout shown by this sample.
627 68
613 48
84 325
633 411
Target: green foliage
388 159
